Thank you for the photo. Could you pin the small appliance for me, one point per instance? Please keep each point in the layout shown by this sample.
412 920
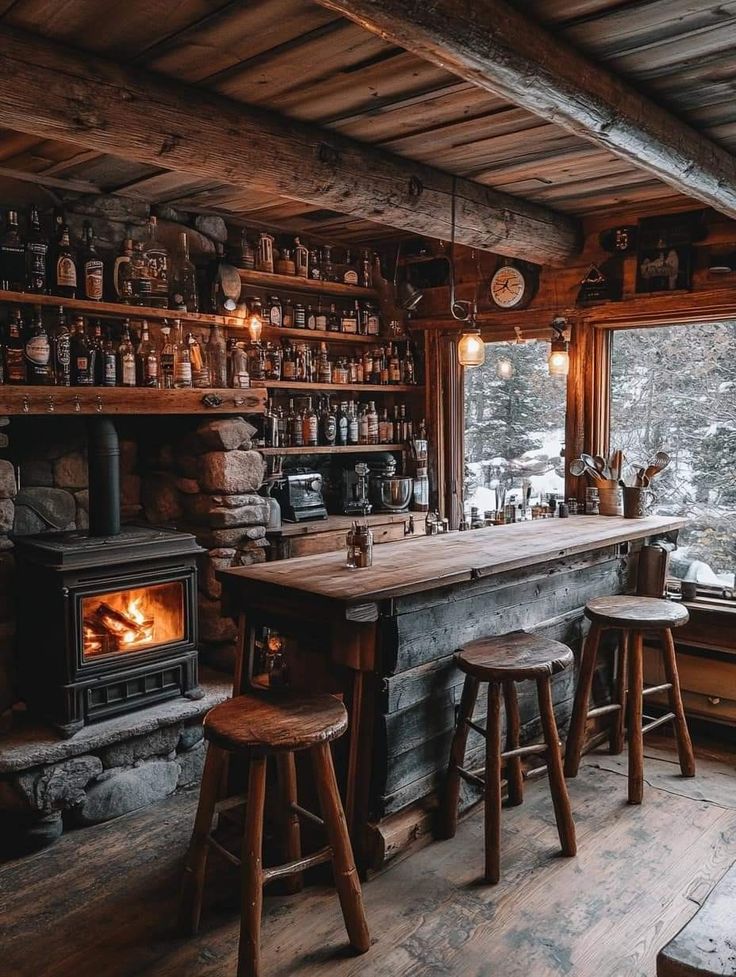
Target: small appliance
299 493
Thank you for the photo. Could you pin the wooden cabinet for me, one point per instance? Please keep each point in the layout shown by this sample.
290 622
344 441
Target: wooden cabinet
328 535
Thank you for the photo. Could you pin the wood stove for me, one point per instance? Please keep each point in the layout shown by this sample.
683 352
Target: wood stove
107 620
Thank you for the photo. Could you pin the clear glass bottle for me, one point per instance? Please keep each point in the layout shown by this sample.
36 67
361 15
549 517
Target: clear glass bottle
372 420
156 256
109 361
166 358
296 430
198 358
353 424
182 358
184 295
239 373
146 360
82 355
324 366
217 357
126 358
310 425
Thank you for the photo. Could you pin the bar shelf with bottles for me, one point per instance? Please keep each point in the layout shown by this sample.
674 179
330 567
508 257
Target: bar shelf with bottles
334 449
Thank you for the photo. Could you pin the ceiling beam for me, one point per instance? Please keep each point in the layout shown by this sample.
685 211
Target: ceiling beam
58 93
492 45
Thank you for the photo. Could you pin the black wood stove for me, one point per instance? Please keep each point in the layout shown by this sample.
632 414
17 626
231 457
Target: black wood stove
107 620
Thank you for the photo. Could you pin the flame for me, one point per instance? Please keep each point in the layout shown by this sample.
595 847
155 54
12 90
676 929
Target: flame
131 620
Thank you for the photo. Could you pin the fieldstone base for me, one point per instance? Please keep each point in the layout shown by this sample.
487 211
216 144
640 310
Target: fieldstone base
106 770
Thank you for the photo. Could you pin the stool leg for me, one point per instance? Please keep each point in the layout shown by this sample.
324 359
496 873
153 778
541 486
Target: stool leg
619 719
493 785
576 734
635 709
347 882
195 864
251 868
291 842
514 773
557 786
450 800
684 744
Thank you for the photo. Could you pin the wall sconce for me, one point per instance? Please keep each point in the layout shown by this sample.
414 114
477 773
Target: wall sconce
471 350
558 361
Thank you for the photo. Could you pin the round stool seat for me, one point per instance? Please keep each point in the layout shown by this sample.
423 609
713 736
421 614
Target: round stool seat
635 612
281 720
514 656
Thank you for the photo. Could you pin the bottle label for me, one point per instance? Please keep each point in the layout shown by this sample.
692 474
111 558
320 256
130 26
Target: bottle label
349 324
82 372
66 271
321 321
38 350
372 325
157 264
37 266
93 280
151 372
350 277
110 370
330 428
128 365
275 315
183 372
16 366
311 429
64 350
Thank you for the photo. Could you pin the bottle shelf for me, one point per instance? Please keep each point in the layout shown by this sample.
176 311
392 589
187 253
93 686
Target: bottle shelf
368 388
334 449
320 336
307 286
51 401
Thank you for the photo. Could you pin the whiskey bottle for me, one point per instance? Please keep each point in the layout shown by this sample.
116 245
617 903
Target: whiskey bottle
92 270
182 359
349 321
320 319
122 273
98 346
327 269
296 431
341 424
39 368
363 426
37 247
184 295
333 319
394 365
310 426
328 424
349 271
15 361
62 352
82 355
217 357
166 358
109 361
156 257
12 256
301 259
372 421
409 370
324 366
198 359
126 358
353 426
65 267
139 272
146 360
239 373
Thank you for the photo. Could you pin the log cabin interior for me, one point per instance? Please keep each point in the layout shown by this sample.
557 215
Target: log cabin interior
367 452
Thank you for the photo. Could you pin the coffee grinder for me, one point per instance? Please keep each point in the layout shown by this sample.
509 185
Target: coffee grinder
355 490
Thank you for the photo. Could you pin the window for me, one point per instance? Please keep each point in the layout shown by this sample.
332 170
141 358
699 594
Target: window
514 427
675 388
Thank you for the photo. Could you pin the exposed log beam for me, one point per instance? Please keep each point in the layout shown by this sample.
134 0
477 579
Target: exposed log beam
491 44
58 93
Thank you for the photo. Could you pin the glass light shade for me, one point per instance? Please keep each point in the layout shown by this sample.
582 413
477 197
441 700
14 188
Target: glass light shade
504 368
558 361
471 350
255 327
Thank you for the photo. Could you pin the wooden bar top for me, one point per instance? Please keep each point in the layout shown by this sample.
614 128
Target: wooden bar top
435 561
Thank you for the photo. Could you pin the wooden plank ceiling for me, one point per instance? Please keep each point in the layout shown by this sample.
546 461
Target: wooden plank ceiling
302 61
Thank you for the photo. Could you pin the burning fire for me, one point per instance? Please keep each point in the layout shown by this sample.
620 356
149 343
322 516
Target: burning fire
133 619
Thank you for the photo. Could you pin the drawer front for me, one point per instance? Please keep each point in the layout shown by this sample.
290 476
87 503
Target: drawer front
711 707
707 676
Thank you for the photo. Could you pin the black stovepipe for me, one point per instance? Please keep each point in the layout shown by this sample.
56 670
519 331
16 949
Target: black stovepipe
103 453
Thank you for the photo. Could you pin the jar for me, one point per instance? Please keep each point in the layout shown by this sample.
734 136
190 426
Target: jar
287 316
275 312
272 362
359 543
340 371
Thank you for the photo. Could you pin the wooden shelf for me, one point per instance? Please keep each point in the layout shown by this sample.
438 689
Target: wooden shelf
368 388
50 401
320 336
261 279
335 449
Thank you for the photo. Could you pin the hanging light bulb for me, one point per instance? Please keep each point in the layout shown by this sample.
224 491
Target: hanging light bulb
558 361
255 326
471 350
504 368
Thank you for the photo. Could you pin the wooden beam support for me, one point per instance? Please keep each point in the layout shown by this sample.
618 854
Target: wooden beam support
494 46
58 93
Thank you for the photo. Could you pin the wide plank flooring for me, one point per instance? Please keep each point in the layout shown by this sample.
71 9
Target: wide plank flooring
102 902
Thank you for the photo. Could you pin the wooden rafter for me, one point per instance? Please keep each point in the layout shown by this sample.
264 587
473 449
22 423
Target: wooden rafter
494 46
58 93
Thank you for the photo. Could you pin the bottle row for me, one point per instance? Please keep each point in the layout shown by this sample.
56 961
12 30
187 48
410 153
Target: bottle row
302 363
341 423
360 319
268 254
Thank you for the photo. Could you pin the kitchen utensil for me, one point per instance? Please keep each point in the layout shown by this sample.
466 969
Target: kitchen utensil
661 461
616 464
636 501
578 467
601 465
390 493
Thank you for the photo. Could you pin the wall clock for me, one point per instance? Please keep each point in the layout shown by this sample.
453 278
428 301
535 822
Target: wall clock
512 286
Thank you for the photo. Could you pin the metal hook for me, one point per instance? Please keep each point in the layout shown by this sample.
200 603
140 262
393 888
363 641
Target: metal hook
77 405
98 404
50 406
26 404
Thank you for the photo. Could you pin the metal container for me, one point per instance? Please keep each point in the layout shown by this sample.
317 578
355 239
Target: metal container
390 493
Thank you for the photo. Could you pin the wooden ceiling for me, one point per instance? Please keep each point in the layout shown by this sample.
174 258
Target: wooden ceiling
303 61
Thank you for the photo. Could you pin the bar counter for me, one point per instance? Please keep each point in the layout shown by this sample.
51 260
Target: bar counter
383 637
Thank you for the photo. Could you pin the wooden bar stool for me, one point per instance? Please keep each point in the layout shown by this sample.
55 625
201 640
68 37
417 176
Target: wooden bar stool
633 617
502 661
280 724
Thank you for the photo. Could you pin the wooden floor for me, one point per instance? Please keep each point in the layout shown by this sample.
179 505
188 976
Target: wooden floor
101 902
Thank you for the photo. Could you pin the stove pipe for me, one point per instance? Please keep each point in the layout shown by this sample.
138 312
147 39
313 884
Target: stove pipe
103 451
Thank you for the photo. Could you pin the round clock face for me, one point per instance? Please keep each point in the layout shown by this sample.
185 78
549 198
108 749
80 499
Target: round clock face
508 287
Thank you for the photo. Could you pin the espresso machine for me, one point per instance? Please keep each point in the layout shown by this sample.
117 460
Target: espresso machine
299 493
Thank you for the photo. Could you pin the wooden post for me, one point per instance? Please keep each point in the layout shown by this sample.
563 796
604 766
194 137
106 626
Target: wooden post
514 772
493 785
251 871
451 798
557 786
682 734
291 843
576 733
622 678
635 708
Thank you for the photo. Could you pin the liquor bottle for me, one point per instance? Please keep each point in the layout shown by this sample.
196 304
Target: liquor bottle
126 358
310 425
15 361
139 274
341 424
367 364
353 425
166 358
247 252
409 370
288 316
327 269
366 269
82 355
324 366
62 351
349 321
146 360
109 361
301 259
315 266
37 247
198 359
372 421
12 256
239 373
39 368
333 319
310 319
340 370
320 319
383 425
65 267
270 426
394 365
156 257
98 347
182 359
296 431
283 440
122 273
363 425
184 294
384 375
275 311
92 269
217 357
328 424
349 271
371 318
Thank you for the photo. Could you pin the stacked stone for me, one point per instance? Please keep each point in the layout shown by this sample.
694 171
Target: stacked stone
7 572
208 483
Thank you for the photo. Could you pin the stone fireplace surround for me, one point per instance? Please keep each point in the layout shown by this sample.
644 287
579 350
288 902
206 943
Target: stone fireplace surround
194 474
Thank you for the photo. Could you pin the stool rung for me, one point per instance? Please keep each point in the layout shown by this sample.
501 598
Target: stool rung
233 859
657 688
668 716
524 751
228 803
535 772
304 813
471 778
475 726
604 710
299 865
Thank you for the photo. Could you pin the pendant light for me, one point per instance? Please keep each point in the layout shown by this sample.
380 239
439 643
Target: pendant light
471 350
558 361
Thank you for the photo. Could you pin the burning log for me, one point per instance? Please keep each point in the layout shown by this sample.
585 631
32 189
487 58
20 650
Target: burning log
127 627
